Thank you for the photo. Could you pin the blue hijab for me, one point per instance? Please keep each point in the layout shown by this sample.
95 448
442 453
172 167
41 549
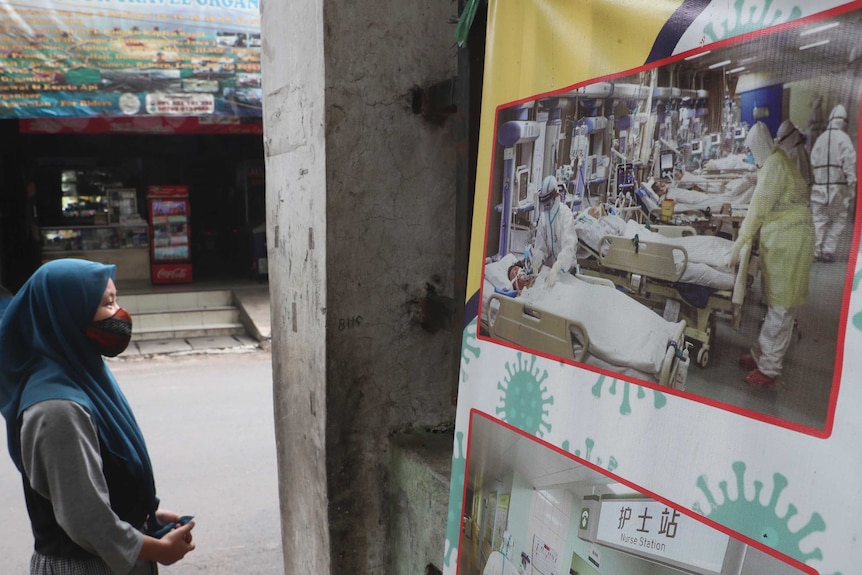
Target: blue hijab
45 354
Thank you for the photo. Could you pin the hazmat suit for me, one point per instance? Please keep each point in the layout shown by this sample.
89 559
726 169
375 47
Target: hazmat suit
779 211
792 141
816 123
833 194
556 239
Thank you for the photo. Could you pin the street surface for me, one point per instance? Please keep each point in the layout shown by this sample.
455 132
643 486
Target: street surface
208 423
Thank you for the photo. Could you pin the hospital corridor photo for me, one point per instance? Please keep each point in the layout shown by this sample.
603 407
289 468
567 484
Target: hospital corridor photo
531 509
689 225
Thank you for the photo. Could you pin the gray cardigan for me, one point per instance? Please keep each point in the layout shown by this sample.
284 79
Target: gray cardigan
61 457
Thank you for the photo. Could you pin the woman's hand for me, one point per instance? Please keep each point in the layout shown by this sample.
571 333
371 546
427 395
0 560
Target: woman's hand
170 548
165 516
177 542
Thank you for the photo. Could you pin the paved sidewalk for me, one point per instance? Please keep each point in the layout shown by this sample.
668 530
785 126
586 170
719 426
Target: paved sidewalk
253 302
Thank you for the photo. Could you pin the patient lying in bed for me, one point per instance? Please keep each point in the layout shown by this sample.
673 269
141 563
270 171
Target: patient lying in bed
705 262
736 192
624 335
730 162
623 332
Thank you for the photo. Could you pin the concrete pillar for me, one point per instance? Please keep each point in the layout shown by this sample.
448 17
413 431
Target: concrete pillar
361 249
293 86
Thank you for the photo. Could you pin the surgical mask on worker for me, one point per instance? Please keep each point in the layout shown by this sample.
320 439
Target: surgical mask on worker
112 335
547 202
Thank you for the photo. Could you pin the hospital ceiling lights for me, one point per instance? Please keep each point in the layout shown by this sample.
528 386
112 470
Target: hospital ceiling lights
815 44
817 29
696 56
807 51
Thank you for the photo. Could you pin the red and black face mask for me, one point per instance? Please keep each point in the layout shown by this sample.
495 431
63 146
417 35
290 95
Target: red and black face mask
112 335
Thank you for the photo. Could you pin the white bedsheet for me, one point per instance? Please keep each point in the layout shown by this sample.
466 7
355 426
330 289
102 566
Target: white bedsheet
622 331
708 256
731 162
497 273
736 192
715 182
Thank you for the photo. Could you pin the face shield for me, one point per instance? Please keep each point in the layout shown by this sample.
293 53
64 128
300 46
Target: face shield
546 203
548 193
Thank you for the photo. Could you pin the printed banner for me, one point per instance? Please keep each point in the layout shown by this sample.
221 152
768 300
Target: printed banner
663 318
80 58
143 125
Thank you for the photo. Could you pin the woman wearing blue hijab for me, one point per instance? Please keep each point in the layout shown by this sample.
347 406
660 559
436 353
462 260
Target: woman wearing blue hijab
87 477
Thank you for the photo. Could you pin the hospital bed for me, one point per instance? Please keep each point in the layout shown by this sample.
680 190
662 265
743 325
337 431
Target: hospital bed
587 320
720 210
655 267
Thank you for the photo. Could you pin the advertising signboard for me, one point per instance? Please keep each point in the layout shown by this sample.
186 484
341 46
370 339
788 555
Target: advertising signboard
75 58
620 143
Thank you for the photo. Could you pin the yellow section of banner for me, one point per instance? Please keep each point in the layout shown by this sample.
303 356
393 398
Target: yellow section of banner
539 46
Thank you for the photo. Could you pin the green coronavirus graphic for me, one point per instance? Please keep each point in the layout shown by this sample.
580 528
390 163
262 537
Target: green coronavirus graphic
469 349
750 16
659 399
588 454
456 493
757 521
524 398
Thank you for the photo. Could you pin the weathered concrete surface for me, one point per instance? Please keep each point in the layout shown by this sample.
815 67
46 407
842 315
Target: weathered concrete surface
292 62
359 232
390 235
418 494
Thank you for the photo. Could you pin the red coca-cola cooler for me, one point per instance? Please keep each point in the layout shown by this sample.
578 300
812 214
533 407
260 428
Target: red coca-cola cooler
170 234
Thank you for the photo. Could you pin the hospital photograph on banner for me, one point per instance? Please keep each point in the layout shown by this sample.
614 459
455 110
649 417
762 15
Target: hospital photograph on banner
531 508
689 225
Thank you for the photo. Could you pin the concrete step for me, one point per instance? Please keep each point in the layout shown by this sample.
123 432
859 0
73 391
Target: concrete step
187 331
160 316
175 301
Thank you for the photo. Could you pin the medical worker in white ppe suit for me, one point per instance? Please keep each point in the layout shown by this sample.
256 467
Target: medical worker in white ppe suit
556 239
833 161
779 211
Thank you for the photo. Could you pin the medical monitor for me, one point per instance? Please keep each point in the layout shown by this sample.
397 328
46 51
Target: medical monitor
739 133
696 147
592 166
625 178
666 165
522 178
715 139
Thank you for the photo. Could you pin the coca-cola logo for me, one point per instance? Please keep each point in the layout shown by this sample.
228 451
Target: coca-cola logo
171 274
